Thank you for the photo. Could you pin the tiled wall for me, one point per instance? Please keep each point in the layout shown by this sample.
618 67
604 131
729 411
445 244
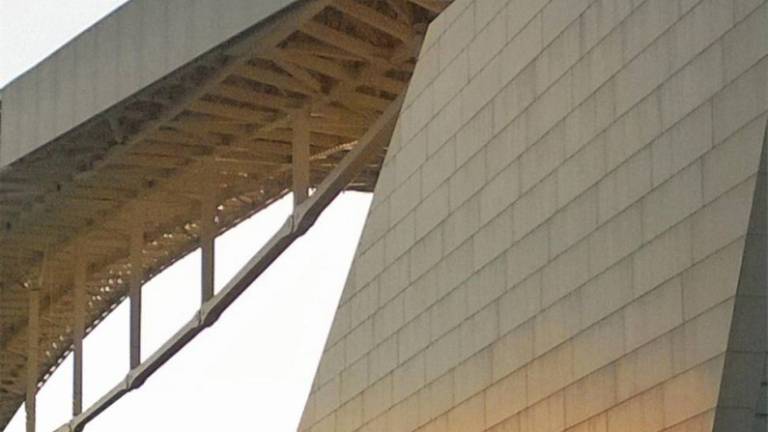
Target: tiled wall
557 234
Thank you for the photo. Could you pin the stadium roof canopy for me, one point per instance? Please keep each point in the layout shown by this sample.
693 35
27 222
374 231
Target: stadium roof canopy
114 149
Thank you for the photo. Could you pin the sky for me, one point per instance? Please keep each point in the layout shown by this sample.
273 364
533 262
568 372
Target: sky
253 369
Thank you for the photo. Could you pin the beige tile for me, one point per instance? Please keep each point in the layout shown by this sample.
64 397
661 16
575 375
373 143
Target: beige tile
624 186
451 80
672 201
616 239
443 354
437 398
581 171
489 41
590 396
472 375
413 337
535 207
547 415
557 323
457 36
388 319
740 154
640 414
598 345
499 193
408 378
520 303
354 379
573 222
480 330
692 392
692 85
653 314
700 27
550 372
506 397
527 255
722 221
607 292
565 273
645 367
682 144
405 415
469 416
350 416
448 312
712 281
558 14
512 350
514 98
495 237
662 258
542 158
377 398
633 130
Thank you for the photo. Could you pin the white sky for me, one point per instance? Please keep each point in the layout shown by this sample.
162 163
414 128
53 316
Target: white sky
252 370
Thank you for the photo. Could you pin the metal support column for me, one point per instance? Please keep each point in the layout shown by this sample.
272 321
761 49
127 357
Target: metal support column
301 138
78 332
137 274
208 236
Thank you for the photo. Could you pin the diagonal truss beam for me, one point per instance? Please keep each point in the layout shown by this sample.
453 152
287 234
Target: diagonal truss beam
303 217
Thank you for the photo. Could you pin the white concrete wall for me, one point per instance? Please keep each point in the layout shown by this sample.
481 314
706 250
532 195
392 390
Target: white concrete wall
130 49
557 234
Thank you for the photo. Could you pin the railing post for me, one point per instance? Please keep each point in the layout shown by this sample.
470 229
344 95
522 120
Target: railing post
137 274
300 159
208 235
33 344
78 332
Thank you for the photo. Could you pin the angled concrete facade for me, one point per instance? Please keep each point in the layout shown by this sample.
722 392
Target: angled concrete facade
569 229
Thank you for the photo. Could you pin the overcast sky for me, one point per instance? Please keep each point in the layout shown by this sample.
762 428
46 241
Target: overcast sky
252 370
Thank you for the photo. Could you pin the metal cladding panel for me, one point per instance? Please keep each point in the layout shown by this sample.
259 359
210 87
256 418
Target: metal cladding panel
128 50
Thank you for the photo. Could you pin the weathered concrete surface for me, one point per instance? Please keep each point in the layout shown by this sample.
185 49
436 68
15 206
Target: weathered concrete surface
133 47
560 234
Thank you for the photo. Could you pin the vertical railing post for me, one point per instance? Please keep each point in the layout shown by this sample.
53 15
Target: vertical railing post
33 344
78 332
33 335
300 159
208 235
137 275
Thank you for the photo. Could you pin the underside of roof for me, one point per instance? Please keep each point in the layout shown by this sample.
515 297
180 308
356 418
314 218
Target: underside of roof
222 125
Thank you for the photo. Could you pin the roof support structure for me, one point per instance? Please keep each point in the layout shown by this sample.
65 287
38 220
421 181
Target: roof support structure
303 217
270 111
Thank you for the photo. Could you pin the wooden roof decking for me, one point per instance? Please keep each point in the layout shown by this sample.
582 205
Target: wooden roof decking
221 124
